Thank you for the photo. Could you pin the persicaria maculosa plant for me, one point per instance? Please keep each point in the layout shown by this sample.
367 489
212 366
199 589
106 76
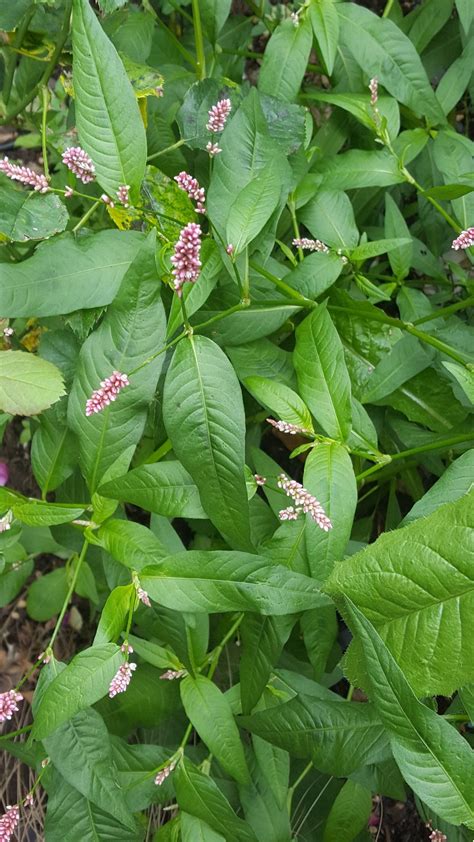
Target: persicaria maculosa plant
236 406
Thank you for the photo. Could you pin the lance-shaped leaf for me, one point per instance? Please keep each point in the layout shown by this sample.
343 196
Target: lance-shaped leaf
322 373
349 813
263 639
108 119
53 449
338 736
281 400
435 760
40 513
131 331
204 416
456 481
132 544
252 208
325 24
285 60
164 487
209 582
210 713
416 586
82 683
28 384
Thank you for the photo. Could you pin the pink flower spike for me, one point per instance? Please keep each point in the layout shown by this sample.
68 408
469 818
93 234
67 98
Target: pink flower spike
109 389
185 259
213 149
285 427
80 163
165 773
9 704
9 823
218 115
374 90
192 187
305 502
310 245
123 195
465 240
143 597
121 679
37 181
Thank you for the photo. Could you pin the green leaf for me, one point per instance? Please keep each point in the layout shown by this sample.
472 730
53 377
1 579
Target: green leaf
427 398
325 22
53 449
337 736
315 274
200 387
445 192
366 250
285 59
435 760
80 750
322 374
214 14
10 16
330 218
263 639
427 21
114 614
466 14
329 475
465 378
395 226
209 582
453 157
381 49
104 508
40 513
129 333
84 681
130 543
163 487
108 119
30 216
359 106
407 358
456 481
28 384
62 274
275 765
281 400
195 830
416 586
358 168
349 813
155 654
46 595
252 208
320 629
456 79
198 795
263 358
210 713
193 116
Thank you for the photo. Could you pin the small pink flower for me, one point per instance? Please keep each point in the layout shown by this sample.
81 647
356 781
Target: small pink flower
159 90
29 800
80 163
6 522
305 502
171 675
218 115
230 249
109 389
9 704
374 90
213 149
465 240
185 259
192 187
121 679
9 823
294 18
165 773
45 763
4 473
126 648
37 181
143 597
259 479
68 192
285 427
310 245
123 195
8 331
437 836
107 200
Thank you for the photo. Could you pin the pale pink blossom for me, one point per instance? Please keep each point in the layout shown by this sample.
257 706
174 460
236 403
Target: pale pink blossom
143 597
9 823
4 473
218 115
290 513
213 149
9 704
259 479
109 389
126 648
192 187
172 675
29 800
123 195
165 773
374 90
310 245
159 91
80 163
37 181
107 200
6 522
294 18
465 240
230 249
121 679
68 192
8 331
286 427
437 836
185 259
304 502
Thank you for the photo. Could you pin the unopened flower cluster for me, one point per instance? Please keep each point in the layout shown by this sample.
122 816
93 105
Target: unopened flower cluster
165 773
286 427
172 675
304 503
25 175
217 117
192 187
9 823
109 389
9 704
310 245
6 522
185 259
121 679
465 240
374 90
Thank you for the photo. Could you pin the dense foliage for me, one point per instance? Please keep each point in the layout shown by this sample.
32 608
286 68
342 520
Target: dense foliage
236 312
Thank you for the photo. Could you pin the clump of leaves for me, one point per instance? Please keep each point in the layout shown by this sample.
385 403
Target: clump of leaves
236 304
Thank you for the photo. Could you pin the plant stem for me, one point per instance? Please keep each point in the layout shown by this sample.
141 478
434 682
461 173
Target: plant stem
296 228
158 353
292 293
69 593
441 444
158 454
218 650
45 101
167 149
446 311
29 97
200 56
449 219
294 787
185 315
16 733
388 8
11 56
87 215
